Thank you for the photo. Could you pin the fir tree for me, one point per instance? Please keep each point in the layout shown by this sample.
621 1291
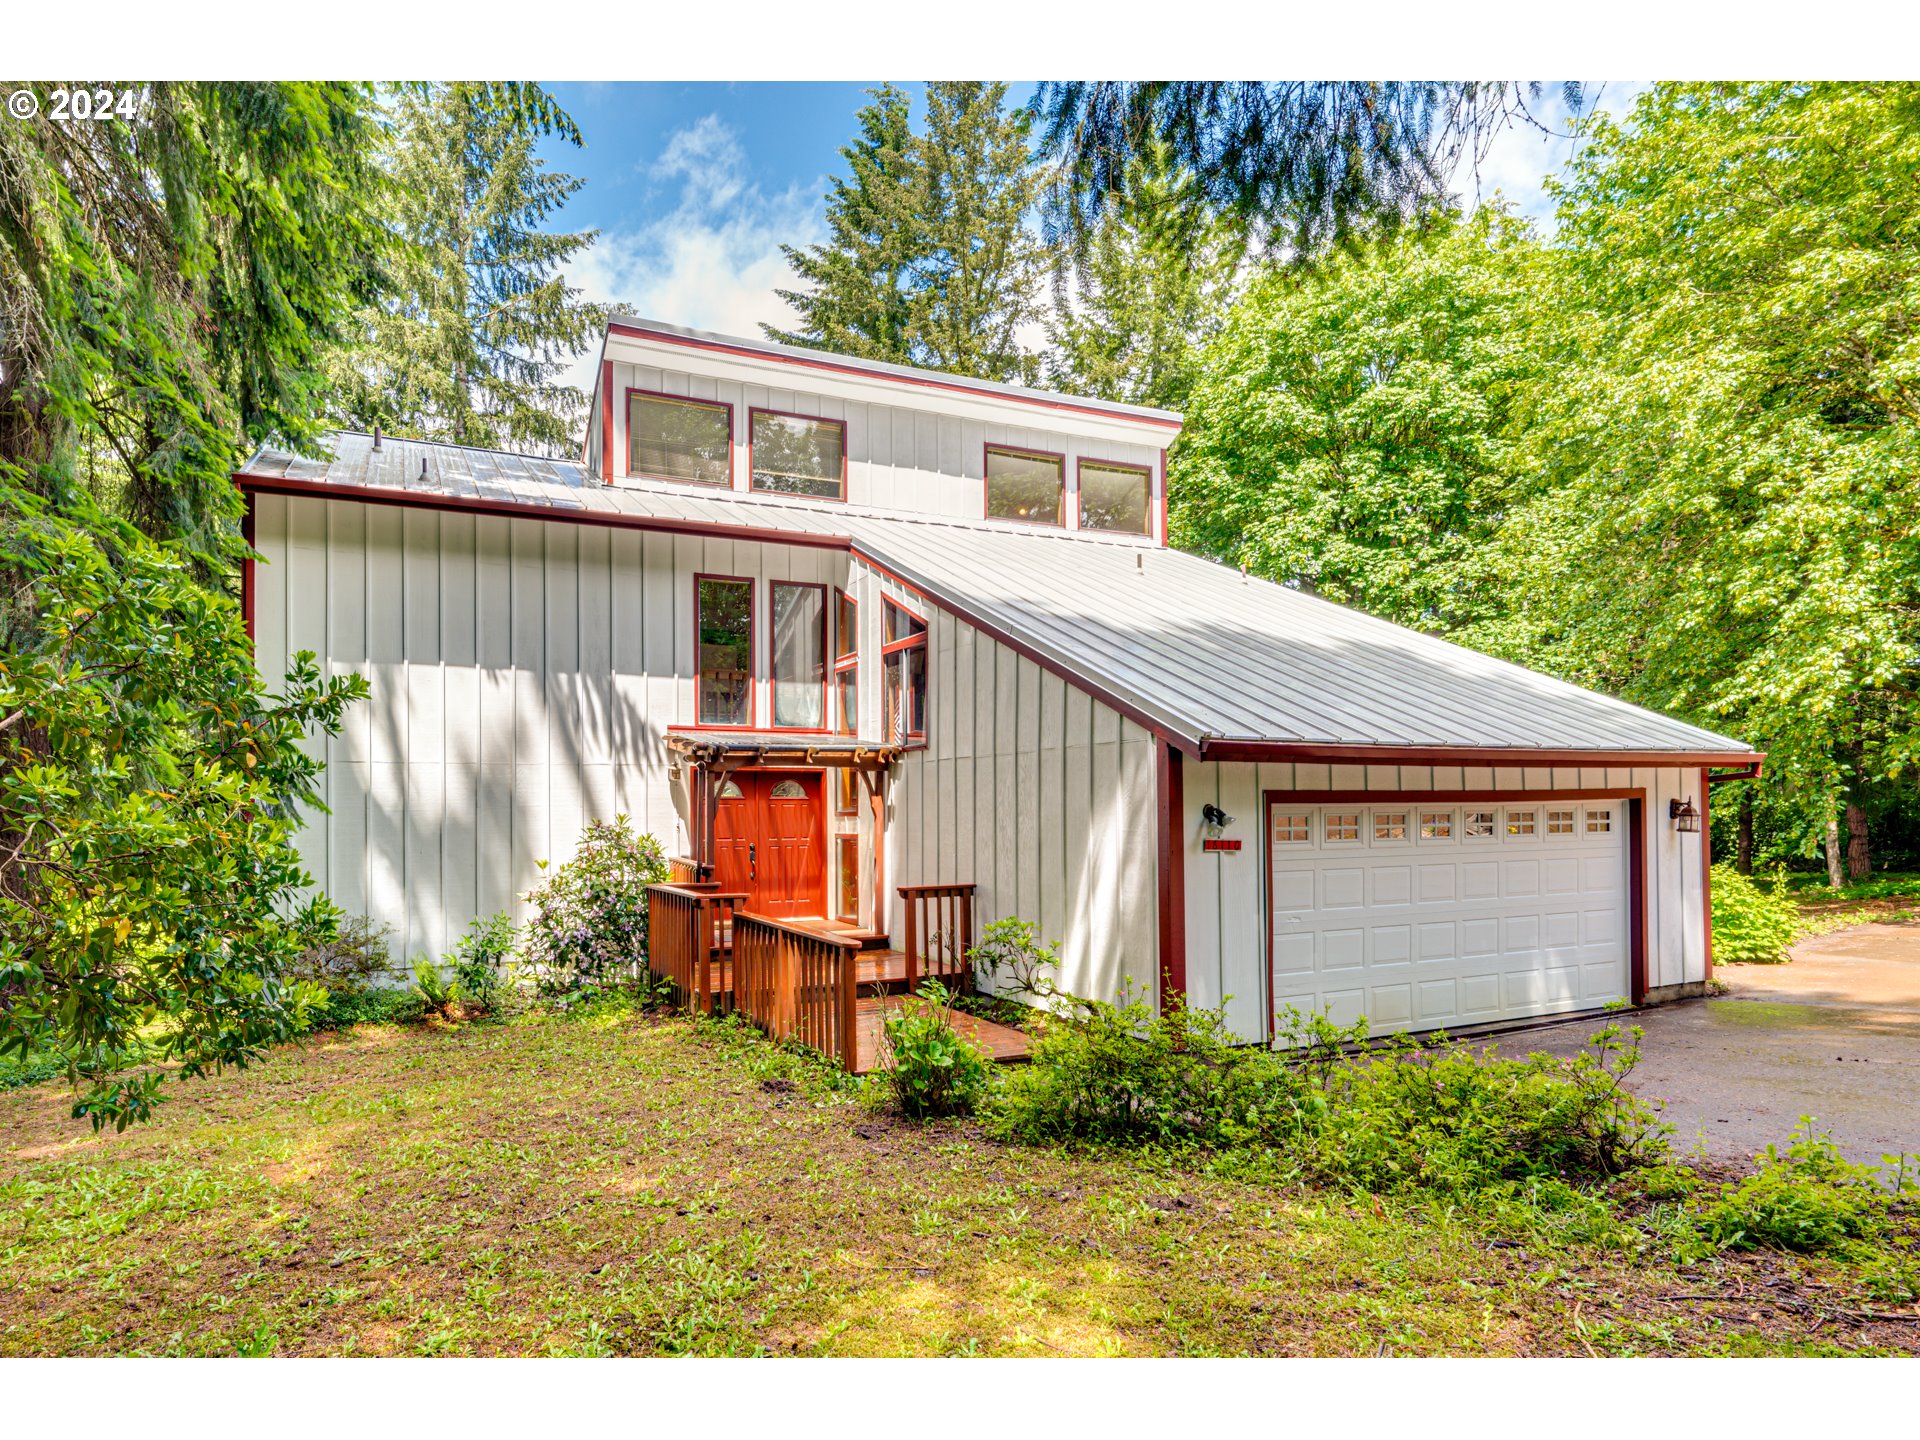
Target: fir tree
929 259
1146 286
856 302
471 341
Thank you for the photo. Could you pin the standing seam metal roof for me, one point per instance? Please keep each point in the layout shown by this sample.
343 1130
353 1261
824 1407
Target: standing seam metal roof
1209 654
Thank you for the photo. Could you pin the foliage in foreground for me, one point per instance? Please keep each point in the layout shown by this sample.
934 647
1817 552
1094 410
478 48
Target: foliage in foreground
933 1070
151 898
589 925
1809 1197
1752 924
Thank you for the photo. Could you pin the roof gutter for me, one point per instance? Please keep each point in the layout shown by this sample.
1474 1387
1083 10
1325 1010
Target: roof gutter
1215 748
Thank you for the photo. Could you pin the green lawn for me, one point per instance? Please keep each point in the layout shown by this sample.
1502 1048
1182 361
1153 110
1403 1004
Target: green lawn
622 1184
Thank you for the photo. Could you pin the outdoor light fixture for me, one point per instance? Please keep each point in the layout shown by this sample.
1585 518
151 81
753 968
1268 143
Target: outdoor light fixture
1685 818
1217 820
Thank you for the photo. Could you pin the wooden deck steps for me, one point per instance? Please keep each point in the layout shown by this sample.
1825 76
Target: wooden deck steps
997 1042
874 968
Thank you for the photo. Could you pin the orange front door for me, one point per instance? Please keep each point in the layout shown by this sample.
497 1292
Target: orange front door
770 843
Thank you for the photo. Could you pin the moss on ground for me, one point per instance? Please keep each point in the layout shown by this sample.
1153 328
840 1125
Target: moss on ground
626 1185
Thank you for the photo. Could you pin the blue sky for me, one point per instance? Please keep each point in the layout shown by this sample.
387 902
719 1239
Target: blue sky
694 187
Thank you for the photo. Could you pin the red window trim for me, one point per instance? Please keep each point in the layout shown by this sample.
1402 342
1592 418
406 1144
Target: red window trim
840 839
626 460
1079 495
753 660
986 512
754 410
773 662
850 658
915 739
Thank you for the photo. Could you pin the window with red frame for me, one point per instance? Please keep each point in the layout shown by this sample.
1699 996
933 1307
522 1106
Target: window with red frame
723 628
846 684
1025 485
1115 497
798 455
903 677
799 656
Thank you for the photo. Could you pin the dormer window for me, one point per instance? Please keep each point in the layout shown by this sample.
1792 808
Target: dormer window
798 455
1115 497
673 438
1025 485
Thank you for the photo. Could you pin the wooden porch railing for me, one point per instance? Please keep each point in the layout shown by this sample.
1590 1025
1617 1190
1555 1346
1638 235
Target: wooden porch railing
939 935
688 931
684 870
797 984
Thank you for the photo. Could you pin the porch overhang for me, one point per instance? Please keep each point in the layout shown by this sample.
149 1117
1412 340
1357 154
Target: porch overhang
738 749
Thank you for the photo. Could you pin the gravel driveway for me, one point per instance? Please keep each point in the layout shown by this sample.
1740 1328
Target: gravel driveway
1834 1034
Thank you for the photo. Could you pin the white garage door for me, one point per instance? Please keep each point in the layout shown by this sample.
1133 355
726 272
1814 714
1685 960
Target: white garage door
1422 915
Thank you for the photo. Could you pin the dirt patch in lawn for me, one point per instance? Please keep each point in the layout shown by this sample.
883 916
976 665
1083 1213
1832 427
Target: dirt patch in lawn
624 1186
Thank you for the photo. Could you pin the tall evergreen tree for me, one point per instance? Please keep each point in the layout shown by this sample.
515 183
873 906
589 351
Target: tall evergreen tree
1143 290
856 296
978 283
472 340
929 259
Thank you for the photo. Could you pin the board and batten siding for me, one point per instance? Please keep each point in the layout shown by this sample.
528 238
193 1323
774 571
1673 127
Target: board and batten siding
1029 788
1226 892
523 674
915 461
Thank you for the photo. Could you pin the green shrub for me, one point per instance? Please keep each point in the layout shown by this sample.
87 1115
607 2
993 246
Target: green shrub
479 958
1010 960
1809 1198
931 1069
354 957
439 993
370 1006
590 915
1752 924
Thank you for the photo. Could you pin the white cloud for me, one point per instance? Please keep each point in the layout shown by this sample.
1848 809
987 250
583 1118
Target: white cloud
1522 155
708 256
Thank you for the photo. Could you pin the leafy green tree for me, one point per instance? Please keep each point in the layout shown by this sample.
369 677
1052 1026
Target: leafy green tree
1350 431
167 285
1139 292
1726 449
1300 165
150 896
857 283
469 341
930 258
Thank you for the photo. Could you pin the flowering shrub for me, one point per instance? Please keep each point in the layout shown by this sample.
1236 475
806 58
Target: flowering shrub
590 915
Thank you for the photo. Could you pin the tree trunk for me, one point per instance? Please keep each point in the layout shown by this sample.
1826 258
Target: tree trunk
1834 877
1859 858
1743 836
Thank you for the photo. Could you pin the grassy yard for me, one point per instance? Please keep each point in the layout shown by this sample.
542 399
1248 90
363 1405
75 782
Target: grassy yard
629 1185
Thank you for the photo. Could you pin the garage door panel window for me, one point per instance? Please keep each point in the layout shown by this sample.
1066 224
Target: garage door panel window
1343 829
1599 822
1522 824
1480 824
1559 822
1436 824
1292 829
1389 826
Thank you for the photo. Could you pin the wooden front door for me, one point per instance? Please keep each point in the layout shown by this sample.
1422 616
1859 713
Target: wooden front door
770 844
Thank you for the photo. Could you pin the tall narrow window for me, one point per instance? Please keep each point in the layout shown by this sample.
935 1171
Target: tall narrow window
846 684
799 656
669 438
848 909
798 455
723 630
903 678
1025 485
1114 497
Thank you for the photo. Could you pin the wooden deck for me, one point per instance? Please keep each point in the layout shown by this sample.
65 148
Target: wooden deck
996 1042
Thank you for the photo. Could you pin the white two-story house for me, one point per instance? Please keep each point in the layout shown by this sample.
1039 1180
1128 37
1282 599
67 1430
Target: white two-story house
831 626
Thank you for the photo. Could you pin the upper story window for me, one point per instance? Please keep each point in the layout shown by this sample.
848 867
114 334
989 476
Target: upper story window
799 655
723 631
673 438
903 678
1115 497
798 455
1025 485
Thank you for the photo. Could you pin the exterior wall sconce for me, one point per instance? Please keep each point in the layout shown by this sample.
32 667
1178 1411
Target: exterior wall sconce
1685 818
1217 821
